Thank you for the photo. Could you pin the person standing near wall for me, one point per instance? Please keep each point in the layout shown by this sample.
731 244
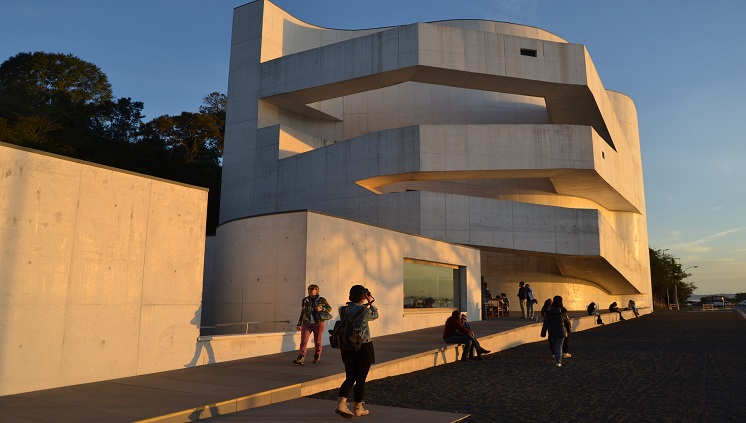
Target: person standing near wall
486 297
312 312
357 363
530 301
522 298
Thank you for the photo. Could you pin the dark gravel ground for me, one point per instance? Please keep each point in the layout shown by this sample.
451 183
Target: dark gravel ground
668 366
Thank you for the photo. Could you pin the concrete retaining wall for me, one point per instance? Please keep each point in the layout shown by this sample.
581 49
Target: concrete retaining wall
100 272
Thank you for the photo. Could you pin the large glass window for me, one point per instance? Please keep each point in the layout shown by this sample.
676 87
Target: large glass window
430 285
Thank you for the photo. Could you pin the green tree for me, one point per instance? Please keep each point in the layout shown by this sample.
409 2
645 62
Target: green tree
215 104
194 136
667 279
62 104
39 83
119 120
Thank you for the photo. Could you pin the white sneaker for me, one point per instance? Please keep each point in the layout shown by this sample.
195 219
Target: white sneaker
566 355
559 364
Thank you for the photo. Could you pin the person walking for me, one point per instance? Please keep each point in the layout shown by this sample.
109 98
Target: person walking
544 308
522 298
313 309
554 324
357 363
530 301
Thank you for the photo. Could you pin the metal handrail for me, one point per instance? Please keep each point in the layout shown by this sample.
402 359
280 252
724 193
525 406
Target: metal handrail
243 323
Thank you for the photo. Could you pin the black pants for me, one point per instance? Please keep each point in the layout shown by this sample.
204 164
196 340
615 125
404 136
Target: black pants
357 365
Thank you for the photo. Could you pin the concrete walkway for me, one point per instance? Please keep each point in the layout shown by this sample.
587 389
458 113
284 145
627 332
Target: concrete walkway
201 392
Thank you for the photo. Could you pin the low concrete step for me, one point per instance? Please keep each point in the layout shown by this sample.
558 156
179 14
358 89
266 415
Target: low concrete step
310 410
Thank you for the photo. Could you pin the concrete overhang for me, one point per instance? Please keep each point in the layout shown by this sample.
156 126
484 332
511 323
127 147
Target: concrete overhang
564 155
562 73
595 270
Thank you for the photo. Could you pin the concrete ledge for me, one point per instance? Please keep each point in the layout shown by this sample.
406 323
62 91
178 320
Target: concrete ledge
501 334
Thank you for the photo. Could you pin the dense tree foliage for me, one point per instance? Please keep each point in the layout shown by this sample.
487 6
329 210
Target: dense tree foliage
64 105
667 278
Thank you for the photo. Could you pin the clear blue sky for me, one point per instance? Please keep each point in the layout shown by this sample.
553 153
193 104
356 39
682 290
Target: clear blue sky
681 61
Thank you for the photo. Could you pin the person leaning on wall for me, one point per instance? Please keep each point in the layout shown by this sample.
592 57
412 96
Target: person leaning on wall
357 363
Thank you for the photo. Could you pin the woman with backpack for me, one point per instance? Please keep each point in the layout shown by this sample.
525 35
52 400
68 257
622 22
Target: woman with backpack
357 363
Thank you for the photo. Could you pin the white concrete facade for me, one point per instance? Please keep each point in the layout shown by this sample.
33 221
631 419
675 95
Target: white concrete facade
263 263
100 272
492 135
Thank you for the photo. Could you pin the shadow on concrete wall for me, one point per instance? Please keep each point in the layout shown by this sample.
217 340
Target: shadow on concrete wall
200 344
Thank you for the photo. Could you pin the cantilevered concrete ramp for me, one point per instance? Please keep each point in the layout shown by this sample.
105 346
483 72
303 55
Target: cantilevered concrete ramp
267 389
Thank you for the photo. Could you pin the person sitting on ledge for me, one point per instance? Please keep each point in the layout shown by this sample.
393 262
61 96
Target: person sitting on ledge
593 311
456 333
631 306
615 309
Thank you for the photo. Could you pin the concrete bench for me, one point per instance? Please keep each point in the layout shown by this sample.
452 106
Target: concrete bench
708 306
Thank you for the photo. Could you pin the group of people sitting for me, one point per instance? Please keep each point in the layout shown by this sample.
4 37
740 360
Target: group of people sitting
556 324
489 308
458 331
613 308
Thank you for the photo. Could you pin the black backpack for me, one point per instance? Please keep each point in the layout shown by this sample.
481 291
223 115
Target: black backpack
344 336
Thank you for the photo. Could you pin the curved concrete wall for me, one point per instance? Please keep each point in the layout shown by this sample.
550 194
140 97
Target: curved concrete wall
263 265
495 135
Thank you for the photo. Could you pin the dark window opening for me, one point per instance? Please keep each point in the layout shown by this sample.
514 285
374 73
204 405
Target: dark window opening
528 52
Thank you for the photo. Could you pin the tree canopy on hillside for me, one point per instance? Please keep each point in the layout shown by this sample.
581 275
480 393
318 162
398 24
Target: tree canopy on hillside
62 104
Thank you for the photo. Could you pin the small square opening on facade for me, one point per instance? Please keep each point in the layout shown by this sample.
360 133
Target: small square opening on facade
528 52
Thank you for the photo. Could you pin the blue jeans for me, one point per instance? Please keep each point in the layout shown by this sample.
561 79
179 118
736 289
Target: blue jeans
461 339
557 345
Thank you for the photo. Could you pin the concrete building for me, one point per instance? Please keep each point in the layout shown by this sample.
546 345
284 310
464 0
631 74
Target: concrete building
416 160
494 136
100 272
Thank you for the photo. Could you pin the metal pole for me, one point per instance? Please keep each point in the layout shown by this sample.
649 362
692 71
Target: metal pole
668 300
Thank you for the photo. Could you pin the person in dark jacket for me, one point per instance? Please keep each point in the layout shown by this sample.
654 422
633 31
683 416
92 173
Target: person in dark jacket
593 311
455 332
556 323
614 308
545 307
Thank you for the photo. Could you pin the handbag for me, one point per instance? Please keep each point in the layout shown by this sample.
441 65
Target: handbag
324 315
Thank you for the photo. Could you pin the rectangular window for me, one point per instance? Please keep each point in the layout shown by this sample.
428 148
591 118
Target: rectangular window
430 285
528 52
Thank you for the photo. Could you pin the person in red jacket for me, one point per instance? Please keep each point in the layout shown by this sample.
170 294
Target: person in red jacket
456 333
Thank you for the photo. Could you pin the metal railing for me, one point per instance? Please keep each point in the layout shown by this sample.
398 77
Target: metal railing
217 325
